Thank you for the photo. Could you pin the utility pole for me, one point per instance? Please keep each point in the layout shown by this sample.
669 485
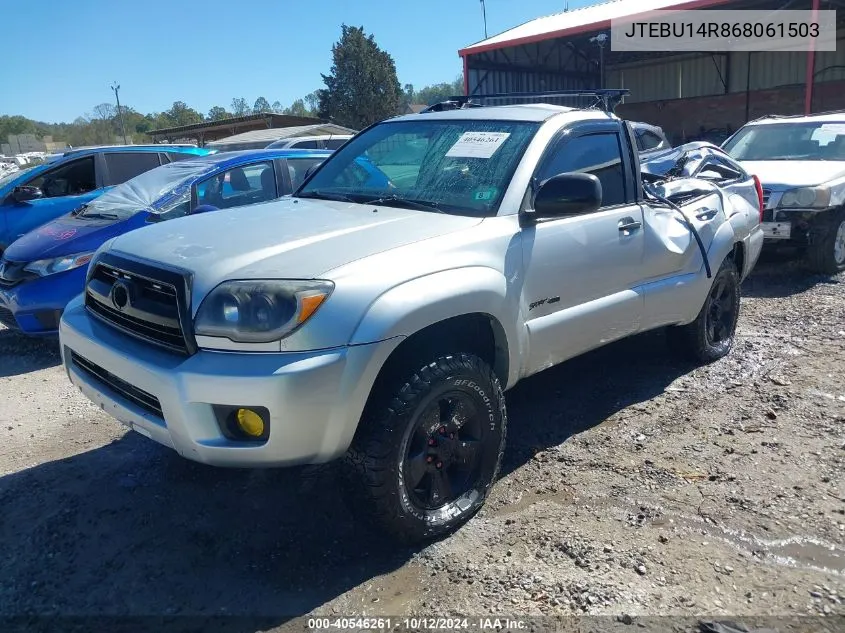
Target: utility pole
116 87
601 41
484 13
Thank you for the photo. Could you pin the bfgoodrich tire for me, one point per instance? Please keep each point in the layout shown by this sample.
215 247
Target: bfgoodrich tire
826 255
711 336
425 456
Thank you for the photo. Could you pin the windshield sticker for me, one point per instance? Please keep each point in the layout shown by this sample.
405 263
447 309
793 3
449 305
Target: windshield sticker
485 194
477 144
832 128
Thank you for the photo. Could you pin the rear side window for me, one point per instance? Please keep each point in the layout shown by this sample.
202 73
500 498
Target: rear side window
648 140
307 145
174 156
334 143
297 168
123 166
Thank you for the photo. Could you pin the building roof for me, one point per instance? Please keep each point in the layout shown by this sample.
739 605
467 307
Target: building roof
272 119
583 20
274 134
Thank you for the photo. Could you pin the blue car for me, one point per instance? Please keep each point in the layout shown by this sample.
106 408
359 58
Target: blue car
34 196
41 272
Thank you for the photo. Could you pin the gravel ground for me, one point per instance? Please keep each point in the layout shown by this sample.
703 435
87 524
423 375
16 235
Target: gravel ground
633 486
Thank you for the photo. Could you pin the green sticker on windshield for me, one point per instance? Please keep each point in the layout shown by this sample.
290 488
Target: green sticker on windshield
486 194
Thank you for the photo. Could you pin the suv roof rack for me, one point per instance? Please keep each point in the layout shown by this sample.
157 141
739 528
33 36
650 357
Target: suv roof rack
604 98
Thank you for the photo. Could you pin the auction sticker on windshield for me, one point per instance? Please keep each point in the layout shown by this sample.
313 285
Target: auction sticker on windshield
477 144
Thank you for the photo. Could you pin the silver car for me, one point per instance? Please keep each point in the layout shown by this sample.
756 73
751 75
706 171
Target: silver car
378 315
801 163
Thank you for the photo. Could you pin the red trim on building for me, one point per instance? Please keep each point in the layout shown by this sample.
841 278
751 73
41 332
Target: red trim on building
582 28
811 66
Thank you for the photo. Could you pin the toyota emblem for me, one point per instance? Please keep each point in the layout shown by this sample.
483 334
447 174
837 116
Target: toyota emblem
120 295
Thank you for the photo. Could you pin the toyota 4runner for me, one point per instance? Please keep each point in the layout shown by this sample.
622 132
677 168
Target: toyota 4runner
381 324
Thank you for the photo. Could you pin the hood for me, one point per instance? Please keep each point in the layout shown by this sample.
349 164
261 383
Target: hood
786 174
68 235
290 238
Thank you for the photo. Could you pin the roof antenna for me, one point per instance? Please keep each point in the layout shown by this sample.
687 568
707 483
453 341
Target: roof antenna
566 6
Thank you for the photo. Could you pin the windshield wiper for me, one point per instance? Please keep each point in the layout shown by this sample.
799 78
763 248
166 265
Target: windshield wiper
398 201
326 195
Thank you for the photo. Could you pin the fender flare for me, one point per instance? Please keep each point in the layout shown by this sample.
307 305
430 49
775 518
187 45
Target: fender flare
416 304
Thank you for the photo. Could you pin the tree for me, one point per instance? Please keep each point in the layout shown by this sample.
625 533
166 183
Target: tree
440 92
217 113
297 108
180 114
261 105
408 95
276 107
105 111
240 107
312 102
362 86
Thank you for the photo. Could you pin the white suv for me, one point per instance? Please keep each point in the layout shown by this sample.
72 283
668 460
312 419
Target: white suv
800 161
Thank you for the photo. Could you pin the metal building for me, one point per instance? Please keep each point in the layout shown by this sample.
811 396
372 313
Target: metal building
691 95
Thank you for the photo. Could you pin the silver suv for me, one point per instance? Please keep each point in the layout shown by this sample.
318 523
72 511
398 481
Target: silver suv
379 313
801 163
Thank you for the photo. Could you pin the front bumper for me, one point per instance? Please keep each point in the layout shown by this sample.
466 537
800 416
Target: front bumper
792 227
35 306
314 399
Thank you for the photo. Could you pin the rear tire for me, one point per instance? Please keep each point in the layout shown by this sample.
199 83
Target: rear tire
427 454
711 336
826 254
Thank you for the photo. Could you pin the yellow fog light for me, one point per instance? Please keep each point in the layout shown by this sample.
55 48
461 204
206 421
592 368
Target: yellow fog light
250 422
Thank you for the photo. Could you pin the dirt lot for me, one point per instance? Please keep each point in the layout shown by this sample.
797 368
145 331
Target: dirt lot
633 484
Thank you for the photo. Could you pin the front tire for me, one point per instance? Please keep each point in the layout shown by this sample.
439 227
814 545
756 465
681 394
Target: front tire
711 336
427 454
826 254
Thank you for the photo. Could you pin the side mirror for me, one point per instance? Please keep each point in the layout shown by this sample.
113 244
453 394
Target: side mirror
567 194
25 193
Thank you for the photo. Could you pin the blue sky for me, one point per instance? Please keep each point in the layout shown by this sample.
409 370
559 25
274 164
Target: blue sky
207 52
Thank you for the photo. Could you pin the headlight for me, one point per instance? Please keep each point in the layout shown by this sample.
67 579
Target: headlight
44 267
259 311
807 197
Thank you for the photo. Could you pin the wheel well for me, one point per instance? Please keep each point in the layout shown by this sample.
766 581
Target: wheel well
738 256
477 333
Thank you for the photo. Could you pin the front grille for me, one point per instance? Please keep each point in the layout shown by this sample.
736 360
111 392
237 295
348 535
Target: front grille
146 401
12 273
766 195
153 307
8 319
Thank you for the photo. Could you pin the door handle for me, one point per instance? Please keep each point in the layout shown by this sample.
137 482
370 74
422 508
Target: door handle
707 215
629 224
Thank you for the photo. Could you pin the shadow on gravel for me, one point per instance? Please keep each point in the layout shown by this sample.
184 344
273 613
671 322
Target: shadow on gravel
21 354
133 529
548 408
777 276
